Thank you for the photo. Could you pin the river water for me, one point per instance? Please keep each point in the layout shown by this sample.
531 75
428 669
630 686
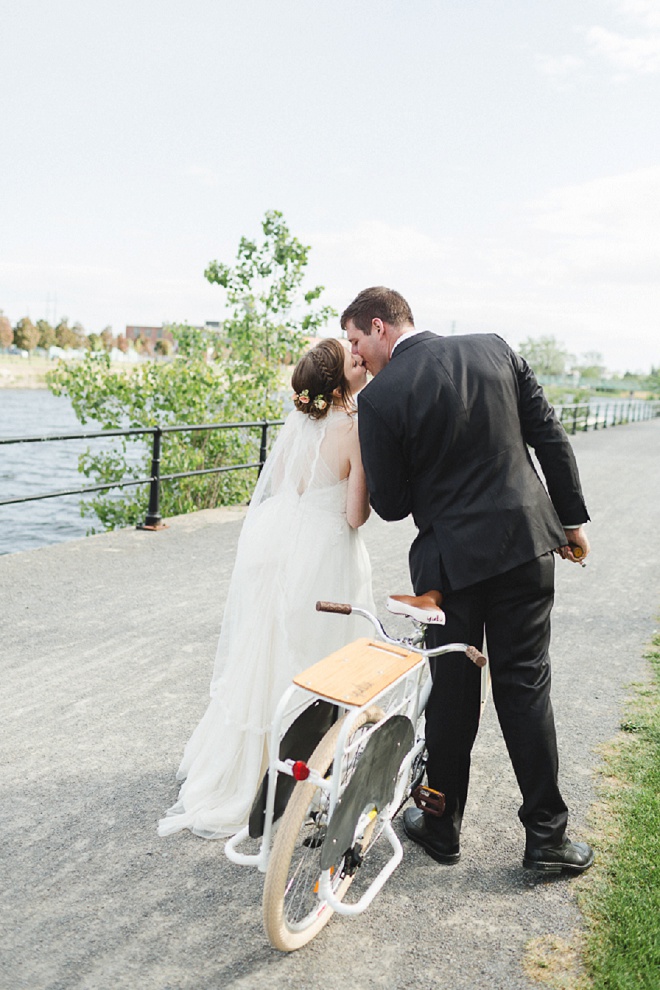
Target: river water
32 468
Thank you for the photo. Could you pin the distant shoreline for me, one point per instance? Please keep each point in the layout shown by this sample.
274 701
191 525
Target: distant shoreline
18 372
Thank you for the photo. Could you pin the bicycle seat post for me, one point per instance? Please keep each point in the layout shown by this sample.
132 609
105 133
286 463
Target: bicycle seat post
418 636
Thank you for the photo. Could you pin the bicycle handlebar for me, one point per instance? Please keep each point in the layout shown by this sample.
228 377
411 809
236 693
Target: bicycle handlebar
472 652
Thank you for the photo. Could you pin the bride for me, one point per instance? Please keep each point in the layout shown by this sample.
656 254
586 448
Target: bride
299 543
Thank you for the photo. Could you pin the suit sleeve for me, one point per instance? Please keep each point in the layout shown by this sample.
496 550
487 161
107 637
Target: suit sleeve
385 465
544 433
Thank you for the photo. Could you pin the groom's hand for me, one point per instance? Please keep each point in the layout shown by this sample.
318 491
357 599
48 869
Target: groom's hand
577 546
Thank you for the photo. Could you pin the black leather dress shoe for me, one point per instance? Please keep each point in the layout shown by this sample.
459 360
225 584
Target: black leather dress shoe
415 827
574 856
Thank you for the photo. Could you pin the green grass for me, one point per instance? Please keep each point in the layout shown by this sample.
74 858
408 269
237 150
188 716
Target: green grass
621 901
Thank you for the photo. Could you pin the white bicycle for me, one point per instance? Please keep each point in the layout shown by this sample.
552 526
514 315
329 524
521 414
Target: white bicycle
351 758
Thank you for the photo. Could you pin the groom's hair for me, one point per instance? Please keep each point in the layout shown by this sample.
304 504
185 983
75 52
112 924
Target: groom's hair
377 303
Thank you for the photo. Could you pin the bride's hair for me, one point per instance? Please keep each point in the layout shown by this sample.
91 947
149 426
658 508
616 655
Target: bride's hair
317 375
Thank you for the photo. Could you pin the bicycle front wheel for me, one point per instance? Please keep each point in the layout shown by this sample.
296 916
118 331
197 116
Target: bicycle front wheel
293 912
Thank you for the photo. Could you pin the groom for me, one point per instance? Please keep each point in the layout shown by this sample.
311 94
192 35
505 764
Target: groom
445 426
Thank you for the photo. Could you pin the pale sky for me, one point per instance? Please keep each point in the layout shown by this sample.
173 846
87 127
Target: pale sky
496 161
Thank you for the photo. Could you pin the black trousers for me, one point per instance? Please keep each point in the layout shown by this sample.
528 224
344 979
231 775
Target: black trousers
513 609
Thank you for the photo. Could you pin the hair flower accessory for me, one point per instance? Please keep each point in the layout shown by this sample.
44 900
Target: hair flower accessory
318 402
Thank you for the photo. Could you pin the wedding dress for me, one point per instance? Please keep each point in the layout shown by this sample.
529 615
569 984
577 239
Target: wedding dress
295 547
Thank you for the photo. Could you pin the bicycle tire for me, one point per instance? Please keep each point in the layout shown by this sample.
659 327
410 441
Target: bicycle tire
293 915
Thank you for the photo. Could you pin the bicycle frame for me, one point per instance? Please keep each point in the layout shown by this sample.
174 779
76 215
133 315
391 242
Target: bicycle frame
296 698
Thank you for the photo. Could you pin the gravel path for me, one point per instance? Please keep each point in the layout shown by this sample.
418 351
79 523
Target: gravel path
107 648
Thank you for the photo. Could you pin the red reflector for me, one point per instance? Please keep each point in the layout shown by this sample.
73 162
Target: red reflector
300 770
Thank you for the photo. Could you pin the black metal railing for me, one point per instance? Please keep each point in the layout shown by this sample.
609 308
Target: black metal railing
153 518
596 415
579 416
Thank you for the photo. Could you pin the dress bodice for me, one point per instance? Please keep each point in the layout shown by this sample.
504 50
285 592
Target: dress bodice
306 464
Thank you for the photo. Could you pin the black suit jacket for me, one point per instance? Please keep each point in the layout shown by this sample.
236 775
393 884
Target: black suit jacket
444 431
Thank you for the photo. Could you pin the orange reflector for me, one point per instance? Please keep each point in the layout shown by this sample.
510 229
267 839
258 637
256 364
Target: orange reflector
318 882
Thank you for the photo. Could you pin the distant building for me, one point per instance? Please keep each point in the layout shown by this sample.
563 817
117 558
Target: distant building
149 335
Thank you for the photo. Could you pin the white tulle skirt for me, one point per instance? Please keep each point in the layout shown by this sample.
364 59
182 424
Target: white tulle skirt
293 552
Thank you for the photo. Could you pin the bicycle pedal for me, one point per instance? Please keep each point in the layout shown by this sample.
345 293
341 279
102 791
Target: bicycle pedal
429 801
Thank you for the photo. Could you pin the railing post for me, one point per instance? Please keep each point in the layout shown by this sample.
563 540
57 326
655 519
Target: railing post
263 449
153 518
574 430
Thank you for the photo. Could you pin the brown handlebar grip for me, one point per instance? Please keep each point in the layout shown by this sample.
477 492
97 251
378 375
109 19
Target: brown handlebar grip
476 656
334 607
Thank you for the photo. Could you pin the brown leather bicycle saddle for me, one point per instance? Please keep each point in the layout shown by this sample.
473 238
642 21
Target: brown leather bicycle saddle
424 608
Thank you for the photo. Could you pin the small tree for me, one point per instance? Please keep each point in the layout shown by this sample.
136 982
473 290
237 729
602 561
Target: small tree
65 335
47 337
82 340
26 335
6 331
545 355
195 342
652 380
591 365
164 347
271 318
94 342
185 390
107 338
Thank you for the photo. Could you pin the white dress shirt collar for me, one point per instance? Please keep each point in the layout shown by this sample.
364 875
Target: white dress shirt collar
405 336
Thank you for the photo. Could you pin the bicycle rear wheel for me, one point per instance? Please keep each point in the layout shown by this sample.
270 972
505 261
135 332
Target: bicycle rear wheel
293 913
